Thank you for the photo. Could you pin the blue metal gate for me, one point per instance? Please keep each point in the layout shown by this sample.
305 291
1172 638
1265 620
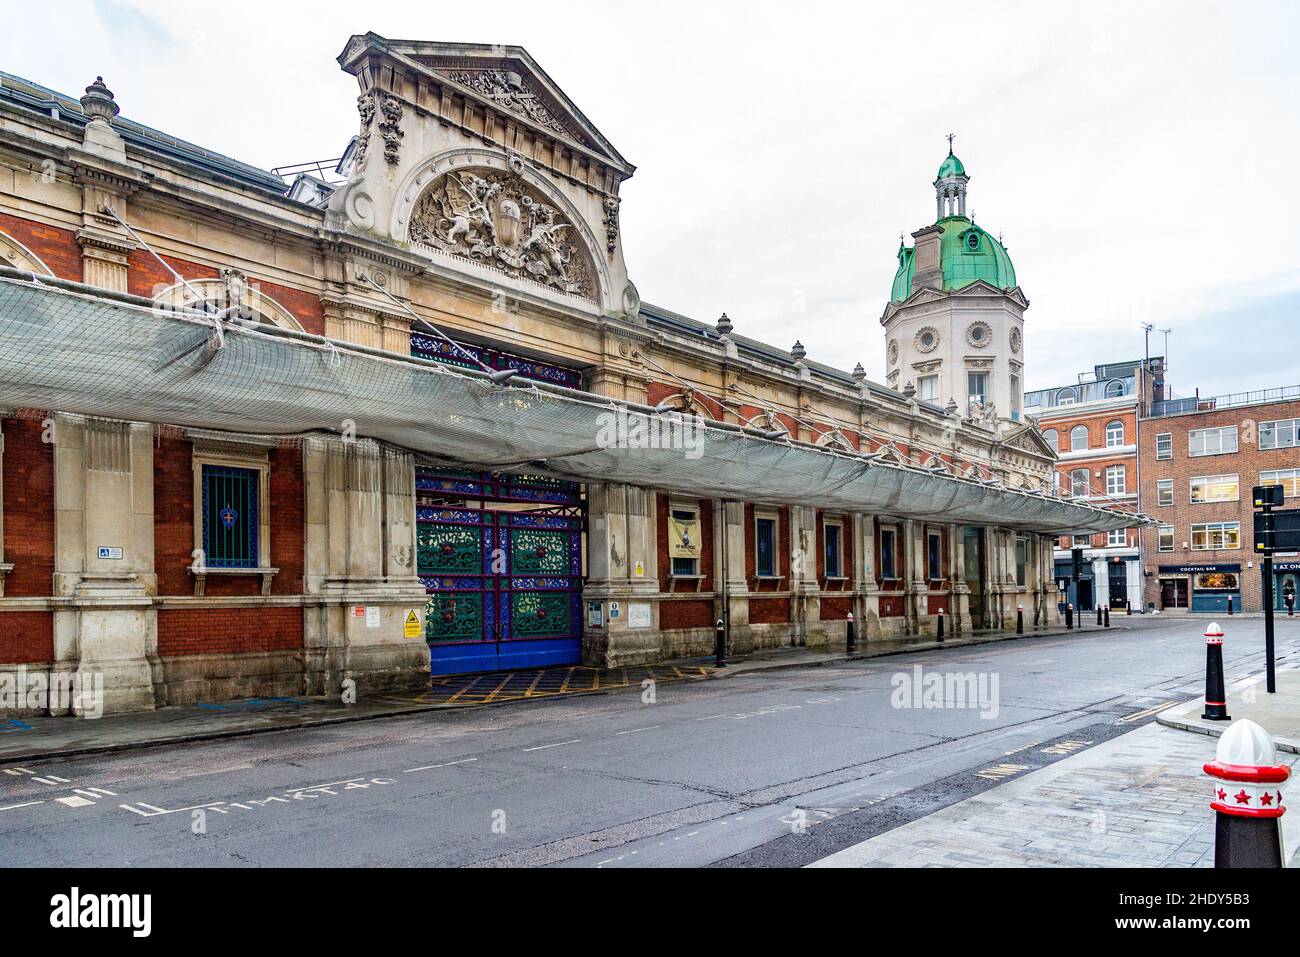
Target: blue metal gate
505 587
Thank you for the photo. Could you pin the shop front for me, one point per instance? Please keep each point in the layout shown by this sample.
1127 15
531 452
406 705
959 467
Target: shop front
1210 588
1286 583
1081 595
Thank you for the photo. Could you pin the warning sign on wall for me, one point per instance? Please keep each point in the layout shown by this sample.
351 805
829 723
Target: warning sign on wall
412 627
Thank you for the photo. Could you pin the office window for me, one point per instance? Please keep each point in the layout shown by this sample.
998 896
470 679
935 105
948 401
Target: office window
833 535
1114 434
927 388
1165 538
977 386
685 517
1114 389
889 553
230 517
1289 479
1165 492
1216 536
1281 434
1215 488
1079 438
1052 438
934 556
1212 441
1116 480
765 561
1079 485
1164 446
1118 537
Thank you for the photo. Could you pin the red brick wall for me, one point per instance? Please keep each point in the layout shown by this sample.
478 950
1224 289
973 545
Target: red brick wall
305 306
28 509
173 509
657 392
769 611
55 247
146 276
218 631
174 525
891 606
686 614
836 609
26 636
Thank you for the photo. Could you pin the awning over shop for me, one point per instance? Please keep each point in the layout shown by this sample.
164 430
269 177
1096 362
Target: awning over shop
71 348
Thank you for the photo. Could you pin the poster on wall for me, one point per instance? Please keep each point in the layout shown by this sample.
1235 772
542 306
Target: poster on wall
683 537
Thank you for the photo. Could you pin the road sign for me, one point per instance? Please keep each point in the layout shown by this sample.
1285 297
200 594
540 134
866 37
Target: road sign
1277 531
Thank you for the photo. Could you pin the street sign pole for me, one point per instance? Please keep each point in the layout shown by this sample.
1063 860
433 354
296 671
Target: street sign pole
1267 567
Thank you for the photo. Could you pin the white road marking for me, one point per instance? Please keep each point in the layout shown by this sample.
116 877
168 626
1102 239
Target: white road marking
94 792
317 787
74 801
711 717
14 807
639 730
434 767
17 771
558 744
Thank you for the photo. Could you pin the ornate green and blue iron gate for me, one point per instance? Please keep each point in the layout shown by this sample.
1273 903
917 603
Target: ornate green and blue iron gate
505 587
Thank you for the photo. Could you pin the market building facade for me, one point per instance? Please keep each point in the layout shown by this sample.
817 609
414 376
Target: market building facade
267 437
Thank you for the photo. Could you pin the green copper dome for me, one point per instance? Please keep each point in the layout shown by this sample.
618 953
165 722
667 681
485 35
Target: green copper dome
967 254
952 166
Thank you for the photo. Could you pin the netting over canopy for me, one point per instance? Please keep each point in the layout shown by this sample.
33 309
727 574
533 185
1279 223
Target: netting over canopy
70 348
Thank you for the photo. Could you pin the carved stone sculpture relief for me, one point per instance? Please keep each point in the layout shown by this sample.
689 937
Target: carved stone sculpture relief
495 218
611 222
510 91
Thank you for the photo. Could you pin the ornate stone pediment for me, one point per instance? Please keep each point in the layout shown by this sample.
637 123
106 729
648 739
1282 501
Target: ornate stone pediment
496 219
510 89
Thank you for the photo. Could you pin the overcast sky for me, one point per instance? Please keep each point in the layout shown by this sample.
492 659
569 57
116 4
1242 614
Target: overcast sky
1139 158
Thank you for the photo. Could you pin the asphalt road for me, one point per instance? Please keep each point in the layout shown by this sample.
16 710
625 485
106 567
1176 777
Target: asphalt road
768 768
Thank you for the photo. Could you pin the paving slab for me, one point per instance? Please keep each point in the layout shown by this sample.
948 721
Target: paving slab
1278 714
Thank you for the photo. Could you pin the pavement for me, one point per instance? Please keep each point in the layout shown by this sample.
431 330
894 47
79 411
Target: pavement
1139 800
1248 697
38 738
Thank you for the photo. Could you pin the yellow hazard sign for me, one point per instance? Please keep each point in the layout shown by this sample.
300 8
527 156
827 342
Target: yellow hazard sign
412 629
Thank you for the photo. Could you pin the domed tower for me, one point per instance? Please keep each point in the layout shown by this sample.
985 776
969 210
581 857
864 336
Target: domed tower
954 325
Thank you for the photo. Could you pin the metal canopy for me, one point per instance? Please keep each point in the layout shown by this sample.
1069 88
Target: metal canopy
72 348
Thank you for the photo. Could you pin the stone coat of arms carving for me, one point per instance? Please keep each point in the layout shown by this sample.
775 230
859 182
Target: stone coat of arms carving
495 218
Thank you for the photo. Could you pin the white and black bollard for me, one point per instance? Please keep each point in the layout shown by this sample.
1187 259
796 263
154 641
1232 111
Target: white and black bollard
1216 696
939 626
1020 619
1247 798
720 645
850 639
1069 617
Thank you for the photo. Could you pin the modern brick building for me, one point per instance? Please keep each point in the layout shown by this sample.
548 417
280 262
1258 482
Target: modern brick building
1092 424
1200 459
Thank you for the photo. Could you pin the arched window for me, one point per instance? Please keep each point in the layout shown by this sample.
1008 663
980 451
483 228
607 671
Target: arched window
1079 438
1114 434
1066 397
1114 388
1053 438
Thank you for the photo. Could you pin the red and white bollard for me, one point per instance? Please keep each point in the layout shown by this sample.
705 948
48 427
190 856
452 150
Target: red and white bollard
1216 695
1247 798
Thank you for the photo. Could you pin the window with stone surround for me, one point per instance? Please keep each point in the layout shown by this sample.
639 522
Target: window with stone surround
686 514
833 547
232 505
766 560
888 553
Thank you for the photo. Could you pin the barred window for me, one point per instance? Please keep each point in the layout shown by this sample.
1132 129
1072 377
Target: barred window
230 516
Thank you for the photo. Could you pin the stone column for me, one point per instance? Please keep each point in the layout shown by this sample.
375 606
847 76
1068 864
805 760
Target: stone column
741 637
361 556
959 619
916 588
806 590
106 630
622 568
866 594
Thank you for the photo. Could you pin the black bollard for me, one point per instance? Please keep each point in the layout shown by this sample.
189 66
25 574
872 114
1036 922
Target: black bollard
1247 798
1290 606
1069 617
1020 619
720 645
1099 614
939 627
1216 698
850 638
1229 606
1128 605
1106 619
